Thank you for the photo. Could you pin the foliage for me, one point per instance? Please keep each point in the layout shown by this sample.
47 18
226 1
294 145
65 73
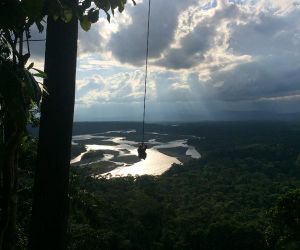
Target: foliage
284 230
28 153
219 202
20 93
19 90
233 198
28 12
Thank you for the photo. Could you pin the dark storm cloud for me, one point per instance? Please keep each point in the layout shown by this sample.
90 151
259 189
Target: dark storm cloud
273 43
128 45
268 35
91 41
255 81
265 80
201 39
193 47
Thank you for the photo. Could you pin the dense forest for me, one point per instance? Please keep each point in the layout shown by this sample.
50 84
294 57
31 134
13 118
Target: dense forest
244 193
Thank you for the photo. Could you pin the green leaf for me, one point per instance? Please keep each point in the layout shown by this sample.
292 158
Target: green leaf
40 73
30 66
93 15
25 58
121 7
103 4
67 15
85 23
114 4
31 88
86 4
108 17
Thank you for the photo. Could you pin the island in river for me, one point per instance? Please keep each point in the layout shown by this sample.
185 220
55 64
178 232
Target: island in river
114 153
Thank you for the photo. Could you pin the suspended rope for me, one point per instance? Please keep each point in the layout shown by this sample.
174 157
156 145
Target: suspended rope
142 147
146 68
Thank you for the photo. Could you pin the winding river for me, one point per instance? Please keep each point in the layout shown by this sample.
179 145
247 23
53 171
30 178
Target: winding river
156 162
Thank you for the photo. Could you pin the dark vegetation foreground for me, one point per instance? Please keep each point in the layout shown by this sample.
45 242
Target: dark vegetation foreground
244 193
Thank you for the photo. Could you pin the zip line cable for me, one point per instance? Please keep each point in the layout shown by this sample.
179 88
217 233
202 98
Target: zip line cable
146 69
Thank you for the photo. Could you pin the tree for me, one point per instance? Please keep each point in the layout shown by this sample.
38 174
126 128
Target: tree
19 93
284 229
50 205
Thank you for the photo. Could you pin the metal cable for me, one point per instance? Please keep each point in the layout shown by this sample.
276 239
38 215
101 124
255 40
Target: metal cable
146 69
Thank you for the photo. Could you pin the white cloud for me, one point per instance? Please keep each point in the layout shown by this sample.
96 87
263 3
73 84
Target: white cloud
118 87
177 85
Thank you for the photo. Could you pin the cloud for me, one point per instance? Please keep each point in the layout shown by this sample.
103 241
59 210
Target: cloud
180 86
238 56
128 45
203 37
267 35
272 42
192 50
118 88
205 57
256 80
91 41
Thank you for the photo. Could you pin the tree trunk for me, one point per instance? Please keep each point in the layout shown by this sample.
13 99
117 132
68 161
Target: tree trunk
51 200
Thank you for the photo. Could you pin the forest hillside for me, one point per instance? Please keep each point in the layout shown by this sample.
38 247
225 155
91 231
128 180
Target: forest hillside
244 193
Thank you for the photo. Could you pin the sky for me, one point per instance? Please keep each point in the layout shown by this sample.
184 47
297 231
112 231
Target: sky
208 60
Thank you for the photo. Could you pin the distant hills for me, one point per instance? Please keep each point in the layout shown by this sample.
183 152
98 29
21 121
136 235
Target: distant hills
257 116
213 116
84 127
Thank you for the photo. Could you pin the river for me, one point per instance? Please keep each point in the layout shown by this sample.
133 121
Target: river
156 162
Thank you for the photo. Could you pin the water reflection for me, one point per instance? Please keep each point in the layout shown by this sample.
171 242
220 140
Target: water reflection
156 162
191 151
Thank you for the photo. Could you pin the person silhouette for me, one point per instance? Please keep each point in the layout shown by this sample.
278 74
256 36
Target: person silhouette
142 151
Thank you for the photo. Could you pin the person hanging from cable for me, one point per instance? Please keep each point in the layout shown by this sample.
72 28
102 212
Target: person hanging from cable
142 151
142 146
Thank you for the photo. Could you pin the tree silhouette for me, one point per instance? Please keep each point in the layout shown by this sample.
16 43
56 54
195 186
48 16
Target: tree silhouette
51 202
19 93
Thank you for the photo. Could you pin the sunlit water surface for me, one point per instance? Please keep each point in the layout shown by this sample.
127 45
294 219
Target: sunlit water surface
156 162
